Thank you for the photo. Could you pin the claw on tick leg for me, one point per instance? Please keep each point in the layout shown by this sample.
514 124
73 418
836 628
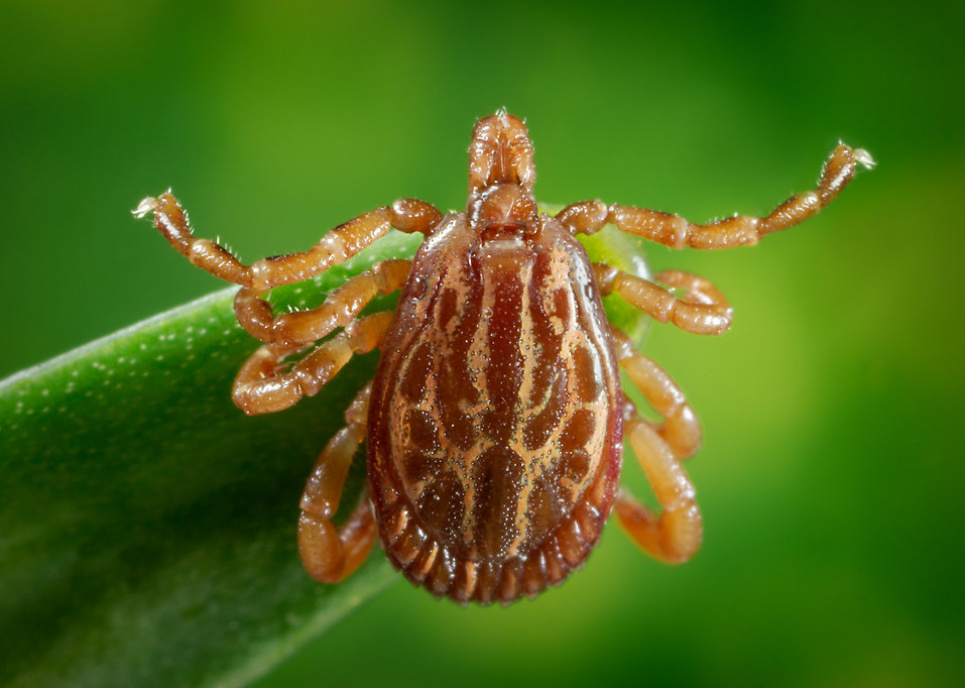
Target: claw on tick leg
864 157
146 206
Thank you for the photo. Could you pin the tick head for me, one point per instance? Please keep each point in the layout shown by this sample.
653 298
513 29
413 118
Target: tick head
501 178
500 153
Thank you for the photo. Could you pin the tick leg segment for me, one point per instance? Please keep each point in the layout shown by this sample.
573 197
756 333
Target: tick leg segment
673 535
676 232
264 386
585 217
702 310
331 554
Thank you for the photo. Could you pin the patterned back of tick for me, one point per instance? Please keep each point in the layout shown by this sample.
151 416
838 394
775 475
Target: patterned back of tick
494 438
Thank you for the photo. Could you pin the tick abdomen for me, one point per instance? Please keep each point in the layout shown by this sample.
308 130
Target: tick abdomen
495 422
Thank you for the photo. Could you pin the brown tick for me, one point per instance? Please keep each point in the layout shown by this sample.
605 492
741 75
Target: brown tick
495 421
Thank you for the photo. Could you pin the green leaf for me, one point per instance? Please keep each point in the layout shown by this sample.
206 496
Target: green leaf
147 527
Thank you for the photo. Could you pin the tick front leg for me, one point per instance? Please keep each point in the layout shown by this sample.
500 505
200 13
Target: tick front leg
673 535
676 232
264 386
331 554
337 246
703 309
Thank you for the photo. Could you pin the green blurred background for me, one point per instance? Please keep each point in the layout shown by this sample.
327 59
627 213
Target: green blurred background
831 475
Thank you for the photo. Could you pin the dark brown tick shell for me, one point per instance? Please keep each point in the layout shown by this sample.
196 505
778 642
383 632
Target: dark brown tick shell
495 425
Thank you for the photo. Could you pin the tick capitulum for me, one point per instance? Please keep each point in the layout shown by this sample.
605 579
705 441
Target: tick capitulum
494 425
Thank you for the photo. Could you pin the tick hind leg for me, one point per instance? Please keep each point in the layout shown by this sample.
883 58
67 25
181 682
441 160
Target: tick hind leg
673 535
330 553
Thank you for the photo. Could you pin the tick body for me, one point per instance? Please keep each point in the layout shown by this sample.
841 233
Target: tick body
494 425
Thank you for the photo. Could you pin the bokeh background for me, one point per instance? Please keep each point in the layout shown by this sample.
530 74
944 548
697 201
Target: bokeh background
832 473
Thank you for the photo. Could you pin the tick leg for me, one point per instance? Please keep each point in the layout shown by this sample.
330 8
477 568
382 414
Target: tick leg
263 384
338 245
331 554
673 535
702 310
676 232
339 309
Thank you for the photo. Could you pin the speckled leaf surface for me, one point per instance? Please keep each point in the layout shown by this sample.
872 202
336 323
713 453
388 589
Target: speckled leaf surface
147 527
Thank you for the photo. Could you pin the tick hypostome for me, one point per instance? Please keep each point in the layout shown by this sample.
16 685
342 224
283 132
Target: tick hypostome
494 425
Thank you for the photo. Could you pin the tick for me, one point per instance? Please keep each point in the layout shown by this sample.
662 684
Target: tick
494 424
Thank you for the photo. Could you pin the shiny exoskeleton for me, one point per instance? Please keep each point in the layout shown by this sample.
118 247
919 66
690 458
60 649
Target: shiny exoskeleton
495 422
